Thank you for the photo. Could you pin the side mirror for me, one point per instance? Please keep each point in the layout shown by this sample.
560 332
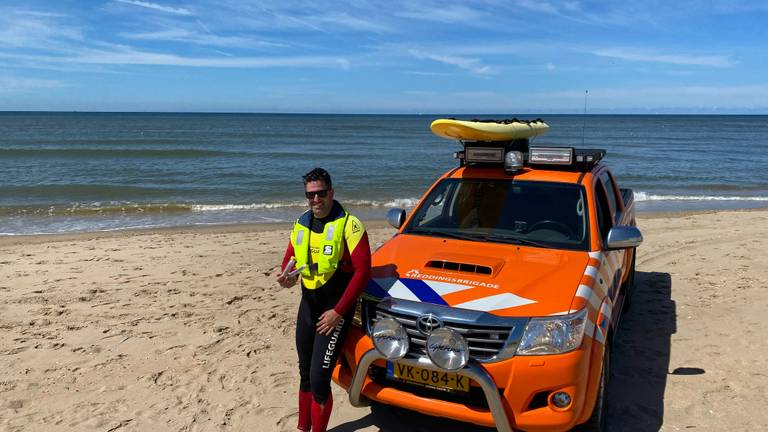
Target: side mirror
624 237
396 217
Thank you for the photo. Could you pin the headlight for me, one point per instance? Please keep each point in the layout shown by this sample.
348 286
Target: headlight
447 349
389 338
553 335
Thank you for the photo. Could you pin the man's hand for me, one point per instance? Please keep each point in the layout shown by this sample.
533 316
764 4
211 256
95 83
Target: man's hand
287 281
327 322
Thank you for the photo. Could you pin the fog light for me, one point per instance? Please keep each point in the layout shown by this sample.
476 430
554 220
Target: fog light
447 349
561 399
389 338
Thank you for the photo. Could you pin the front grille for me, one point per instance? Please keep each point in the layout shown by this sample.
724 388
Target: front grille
485 341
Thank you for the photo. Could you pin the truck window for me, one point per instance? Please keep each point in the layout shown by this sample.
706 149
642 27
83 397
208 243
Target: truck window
610 191
436 209
603 211
544 214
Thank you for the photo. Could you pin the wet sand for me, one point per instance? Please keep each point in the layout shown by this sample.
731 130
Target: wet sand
185 330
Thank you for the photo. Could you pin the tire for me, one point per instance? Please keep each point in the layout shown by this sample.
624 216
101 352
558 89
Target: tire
598 420
629 285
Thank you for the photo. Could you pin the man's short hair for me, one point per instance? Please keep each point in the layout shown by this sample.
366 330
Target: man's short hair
318 174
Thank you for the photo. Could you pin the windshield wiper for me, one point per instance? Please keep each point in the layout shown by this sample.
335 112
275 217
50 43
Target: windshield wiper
475 236
514 240
450 234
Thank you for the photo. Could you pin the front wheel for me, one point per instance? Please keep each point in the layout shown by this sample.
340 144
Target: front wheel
598 421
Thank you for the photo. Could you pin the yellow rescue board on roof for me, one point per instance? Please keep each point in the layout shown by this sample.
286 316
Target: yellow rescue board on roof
503 130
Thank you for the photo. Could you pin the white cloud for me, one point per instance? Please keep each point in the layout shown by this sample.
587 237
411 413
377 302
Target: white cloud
203 26
738 6
32 31
279 20
573 11
522 47
538 6
419 93
209 39
483 95
9 84
325 18
426 73
136 57
351 22
605 14
472 65
676 59
40 14
174 34
157 7
753 96
440 13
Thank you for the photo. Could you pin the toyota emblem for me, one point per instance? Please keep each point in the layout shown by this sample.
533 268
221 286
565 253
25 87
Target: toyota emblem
427 323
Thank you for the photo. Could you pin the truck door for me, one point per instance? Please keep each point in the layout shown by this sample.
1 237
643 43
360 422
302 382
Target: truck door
620 216
610 267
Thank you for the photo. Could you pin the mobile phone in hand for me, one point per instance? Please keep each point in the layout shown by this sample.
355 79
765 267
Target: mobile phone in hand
288 267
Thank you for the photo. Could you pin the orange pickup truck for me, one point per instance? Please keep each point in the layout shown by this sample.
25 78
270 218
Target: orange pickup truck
497 300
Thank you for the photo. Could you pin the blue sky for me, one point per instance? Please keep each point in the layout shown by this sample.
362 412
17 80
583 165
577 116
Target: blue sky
398 56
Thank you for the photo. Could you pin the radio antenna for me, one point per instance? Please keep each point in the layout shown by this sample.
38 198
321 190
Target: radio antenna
584 124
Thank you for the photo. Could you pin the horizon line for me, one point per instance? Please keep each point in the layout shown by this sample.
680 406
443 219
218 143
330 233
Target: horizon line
602 113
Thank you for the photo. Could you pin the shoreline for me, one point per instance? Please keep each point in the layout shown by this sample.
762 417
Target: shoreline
225 228
189 229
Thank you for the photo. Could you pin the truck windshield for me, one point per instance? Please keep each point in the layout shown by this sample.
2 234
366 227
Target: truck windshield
542 214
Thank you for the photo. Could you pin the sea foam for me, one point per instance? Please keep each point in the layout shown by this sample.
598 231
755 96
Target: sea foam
644 196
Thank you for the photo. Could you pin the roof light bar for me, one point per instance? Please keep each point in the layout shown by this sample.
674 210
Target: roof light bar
551 155
484 154
589 155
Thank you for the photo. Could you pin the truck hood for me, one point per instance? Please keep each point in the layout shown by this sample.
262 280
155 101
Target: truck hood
502 279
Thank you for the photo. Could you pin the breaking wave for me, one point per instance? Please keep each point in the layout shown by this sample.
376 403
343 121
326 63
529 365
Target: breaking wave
644 196
126 208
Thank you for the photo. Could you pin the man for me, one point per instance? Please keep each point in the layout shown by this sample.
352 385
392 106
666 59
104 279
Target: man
333 256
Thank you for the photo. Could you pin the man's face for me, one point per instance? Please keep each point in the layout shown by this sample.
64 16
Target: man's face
321 206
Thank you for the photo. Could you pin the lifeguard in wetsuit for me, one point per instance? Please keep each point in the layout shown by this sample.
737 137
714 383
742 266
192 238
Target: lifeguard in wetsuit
332 247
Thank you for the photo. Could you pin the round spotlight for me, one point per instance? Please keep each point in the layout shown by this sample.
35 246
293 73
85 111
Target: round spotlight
447 349
390 338
513 161
561 399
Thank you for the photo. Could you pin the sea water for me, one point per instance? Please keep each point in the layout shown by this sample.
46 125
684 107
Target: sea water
64 172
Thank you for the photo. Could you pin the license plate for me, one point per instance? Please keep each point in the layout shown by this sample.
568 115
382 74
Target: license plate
427 377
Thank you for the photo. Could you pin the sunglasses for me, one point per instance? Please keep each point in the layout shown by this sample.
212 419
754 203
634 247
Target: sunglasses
321 193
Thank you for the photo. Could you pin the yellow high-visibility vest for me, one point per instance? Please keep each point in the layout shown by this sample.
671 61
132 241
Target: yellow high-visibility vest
331 246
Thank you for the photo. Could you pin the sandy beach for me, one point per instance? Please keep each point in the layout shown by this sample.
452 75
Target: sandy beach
186 330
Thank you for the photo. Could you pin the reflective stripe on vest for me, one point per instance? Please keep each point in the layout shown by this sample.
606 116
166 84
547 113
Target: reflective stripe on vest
331 249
